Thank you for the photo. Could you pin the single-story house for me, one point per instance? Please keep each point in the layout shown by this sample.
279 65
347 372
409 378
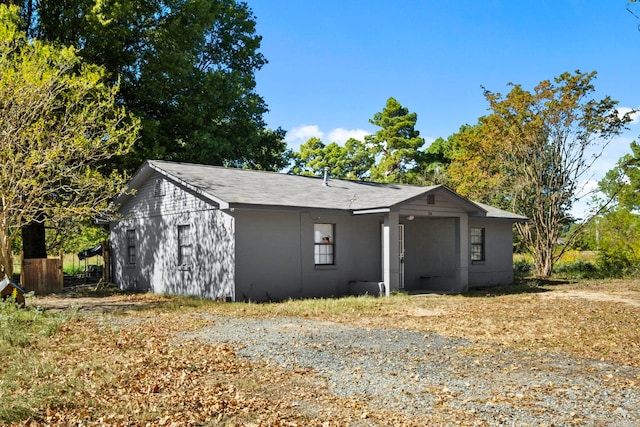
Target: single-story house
239 234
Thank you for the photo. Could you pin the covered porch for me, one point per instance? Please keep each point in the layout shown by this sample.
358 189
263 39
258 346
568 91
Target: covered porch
425 242
425 253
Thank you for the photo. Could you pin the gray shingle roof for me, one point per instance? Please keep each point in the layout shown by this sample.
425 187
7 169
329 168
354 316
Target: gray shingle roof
237 187
493 212
251 187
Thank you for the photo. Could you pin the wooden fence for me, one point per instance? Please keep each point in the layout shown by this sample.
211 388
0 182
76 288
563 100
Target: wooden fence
42 275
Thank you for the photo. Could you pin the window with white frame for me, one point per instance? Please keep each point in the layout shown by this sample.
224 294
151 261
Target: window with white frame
131 247
184 245
324 243
477 244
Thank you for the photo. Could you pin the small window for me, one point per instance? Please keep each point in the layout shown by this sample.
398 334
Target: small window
477 244
323 243
431 199
131 247
184 245
158 189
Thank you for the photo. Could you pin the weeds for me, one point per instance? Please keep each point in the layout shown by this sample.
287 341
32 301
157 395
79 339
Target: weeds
24 331
20 326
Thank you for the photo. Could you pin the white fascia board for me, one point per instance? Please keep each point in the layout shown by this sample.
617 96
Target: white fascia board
371 211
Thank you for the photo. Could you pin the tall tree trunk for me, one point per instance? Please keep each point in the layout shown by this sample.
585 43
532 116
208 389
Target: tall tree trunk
33 241
6 257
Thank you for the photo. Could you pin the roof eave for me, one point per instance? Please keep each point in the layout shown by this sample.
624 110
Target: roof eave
371 211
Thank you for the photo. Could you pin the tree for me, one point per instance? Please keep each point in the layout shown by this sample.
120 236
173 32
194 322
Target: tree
476 169
185 68
618 242
436 159
351 161
396 145
358 160
621 185
540 146
61 128
310 160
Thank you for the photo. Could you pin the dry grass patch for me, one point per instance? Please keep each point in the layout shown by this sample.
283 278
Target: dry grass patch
133 370
121 362
592 319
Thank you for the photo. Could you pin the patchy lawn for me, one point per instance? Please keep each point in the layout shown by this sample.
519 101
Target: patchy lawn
106 358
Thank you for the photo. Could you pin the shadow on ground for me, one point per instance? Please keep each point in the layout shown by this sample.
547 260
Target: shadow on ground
527 285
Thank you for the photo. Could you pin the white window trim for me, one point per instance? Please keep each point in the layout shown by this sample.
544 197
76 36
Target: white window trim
331 244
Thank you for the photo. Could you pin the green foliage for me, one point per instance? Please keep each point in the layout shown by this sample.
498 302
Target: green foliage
522 267
396 145
80 236
435 160
577 270
619 243
351 161
186 69
530 153
393 154
61 129
621 185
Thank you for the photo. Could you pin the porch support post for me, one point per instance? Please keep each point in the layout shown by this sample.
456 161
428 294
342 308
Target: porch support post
463 251
390 253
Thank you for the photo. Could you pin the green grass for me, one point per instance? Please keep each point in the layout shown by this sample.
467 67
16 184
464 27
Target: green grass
23 333
70 263
21 326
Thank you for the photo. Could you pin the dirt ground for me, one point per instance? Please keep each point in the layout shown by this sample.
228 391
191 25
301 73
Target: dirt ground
541 354
628 298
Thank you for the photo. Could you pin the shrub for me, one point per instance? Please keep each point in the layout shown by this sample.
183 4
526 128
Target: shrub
578 269
618 265
522 267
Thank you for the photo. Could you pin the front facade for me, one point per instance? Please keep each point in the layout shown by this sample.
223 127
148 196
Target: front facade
251 235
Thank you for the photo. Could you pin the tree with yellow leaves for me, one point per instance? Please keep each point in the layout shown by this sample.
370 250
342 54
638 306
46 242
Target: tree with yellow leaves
532 153
59 128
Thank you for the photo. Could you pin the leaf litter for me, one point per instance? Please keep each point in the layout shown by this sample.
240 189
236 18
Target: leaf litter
136 367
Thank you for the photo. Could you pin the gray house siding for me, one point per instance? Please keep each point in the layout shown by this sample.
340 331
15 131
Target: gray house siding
267 255
497 267
249 235
155 219
275 254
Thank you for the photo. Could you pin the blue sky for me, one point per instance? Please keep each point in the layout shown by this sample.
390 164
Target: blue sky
333 64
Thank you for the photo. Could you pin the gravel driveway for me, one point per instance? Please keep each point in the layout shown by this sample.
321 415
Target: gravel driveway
410 372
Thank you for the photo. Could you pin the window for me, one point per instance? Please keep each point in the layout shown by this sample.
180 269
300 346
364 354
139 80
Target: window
131 247
477 244
323 243
158 189
184 245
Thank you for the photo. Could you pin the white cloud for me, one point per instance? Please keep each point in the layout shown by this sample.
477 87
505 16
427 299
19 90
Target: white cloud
635 117
340 136
301 134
